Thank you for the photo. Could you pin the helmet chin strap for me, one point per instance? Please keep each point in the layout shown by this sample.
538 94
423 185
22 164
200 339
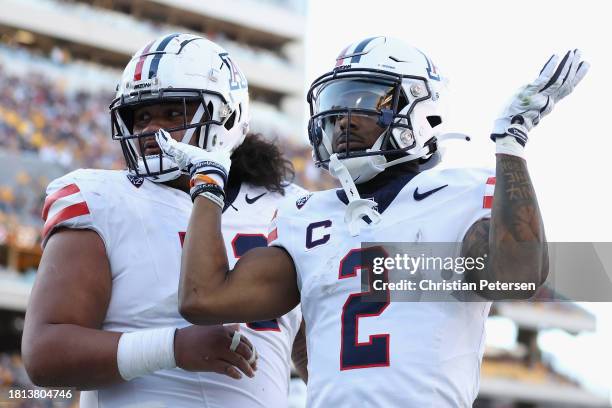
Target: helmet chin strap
365 168
357 207
362 169
376 168
153 165
453 135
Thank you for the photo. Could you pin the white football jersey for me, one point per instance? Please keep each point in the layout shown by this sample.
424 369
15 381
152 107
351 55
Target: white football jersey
143 225
386 353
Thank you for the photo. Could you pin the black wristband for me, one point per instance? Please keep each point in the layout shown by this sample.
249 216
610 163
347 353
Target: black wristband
518 133
207 167
209 188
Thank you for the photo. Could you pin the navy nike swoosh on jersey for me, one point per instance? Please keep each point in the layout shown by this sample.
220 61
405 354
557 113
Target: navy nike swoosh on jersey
421 196
252 200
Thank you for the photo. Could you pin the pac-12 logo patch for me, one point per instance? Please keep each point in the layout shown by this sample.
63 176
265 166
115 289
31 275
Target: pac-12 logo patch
237 78
302 201
135 180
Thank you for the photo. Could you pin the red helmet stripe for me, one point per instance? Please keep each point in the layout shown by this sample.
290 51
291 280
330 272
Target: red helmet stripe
141 61
342 56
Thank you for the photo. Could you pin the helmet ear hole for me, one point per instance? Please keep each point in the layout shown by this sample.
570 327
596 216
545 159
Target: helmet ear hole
434 121
318 135
127 116
315 133
229 123
210 110
403 102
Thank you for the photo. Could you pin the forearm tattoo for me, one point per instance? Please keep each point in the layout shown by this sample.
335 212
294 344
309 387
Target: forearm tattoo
513 238
516 216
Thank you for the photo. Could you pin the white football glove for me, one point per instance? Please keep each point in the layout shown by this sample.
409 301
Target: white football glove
534 101
191 158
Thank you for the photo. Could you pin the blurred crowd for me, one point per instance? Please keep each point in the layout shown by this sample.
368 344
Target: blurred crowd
22 193
40 120
68 128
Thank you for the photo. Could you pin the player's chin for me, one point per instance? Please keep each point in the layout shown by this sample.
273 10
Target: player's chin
355 147
152 151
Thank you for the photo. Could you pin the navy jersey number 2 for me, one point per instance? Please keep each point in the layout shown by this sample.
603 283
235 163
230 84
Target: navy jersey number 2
374 352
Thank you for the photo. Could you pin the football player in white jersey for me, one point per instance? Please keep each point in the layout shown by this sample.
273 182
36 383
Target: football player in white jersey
374 120
103 314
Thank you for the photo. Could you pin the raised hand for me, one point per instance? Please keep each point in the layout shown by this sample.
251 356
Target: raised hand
537 99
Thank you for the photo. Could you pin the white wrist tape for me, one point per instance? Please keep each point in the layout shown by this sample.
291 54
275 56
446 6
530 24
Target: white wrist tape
145 351
509 145
214 198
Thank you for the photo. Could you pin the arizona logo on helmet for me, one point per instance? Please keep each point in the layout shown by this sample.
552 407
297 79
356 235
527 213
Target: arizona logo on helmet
237 78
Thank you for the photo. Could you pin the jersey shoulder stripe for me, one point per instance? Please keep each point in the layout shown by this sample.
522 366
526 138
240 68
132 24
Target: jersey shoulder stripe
65 214
51 199
73 198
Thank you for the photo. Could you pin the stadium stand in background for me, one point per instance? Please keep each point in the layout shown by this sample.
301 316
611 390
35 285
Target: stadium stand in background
59 63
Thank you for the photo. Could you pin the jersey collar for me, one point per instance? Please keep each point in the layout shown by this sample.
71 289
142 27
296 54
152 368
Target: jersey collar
383 190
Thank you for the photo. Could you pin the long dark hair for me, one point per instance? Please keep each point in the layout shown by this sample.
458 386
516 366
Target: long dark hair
259 162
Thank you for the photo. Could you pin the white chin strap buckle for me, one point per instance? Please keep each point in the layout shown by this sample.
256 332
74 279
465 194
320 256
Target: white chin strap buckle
356 210
357 207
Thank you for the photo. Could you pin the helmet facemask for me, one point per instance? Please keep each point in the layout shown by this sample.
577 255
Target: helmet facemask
207 128
366 96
